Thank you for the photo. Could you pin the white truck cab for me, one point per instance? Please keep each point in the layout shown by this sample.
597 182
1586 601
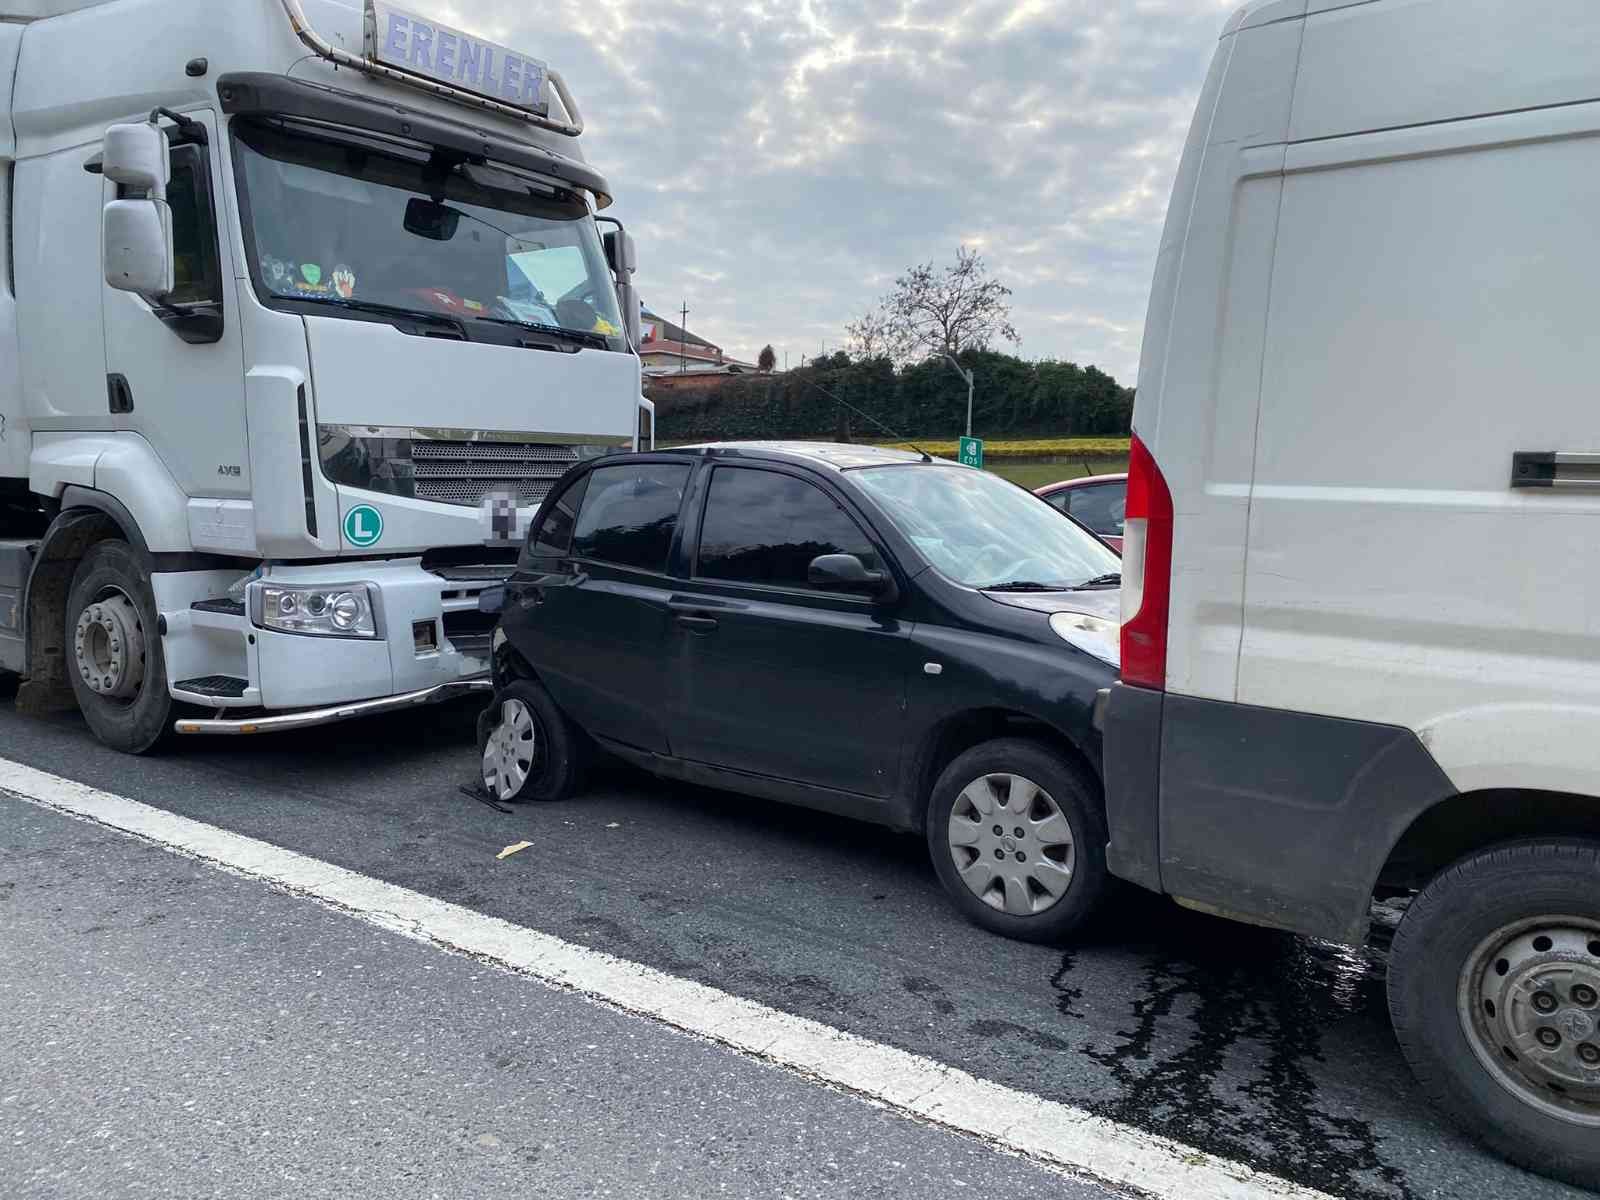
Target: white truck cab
303 304
1362 570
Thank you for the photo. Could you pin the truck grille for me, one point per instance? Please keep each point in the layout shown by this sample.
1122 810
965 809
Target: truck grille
465 472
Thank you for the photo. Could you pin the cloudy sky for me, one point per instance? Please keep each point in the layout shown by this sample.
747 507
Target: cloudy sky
781 161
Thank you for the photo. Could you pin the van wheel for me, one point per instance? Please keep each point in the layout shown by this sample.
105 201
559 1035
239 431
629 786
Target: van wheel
529 749
114 659
1494 988
1018 839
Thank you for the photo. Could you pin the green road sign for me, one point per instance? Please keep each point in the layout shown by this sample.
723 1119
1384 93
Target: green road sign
971 452
363 526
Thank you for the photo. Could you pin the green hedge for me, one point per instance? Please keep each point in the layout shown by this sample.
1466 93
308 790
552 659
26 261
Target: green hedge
1012 398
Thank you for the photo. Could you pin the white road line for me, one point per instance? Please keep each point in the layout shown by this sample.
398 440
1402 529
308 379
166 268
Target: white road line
1056 1135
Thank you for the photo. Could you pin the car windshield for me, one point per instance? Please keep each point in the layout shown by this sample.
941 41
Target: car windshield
978 530
358 221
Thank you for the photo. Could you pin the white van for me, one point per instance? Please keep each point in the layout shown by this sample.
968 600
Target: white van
1361 650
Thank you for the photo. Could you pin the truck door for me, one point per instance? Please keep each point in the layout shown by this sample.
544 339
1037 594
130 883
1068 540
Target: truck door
175 373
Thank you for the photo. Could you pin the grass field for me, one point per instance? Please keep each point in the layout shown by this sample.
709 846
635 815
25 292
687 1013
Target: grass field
1034 449
1035 475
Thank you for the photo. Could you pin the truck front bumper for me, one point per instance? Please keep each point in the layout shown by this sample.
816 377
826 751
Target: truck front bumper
282 722
432 644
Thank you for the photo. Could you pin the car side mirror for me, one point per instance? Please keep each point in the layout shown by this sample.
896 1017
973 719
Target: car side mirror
846 573
137 233
436 222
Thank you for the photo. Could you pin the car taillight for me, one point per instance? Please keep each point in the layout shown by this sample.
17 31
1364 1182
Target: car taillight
1146 572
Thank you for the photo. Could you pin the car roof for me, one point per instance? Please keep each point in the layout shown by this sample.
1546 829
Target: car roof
1082 481
839 456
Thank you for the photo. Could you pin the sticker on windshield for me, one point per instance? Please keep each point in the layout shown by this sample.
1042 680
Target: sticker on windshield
344 282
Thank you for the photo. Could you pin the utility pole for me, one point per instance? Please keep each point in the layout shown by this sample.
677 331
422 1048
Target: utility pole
967 375
683 342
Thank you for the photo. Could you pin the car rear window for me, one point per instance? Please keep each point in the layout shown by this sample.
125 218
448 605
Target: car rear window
630 513
764 527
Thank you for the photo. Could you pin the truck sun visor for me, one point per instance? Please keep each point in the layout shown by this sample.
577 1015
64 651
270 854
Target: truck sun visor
262 94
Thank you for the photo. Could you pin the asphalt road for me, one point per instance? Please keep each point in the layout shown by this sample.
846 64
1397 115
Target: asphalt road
1258 1046
173 1030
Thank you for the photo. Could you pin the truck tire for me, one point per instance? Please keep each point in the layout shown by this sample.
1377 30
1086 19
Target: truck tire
113 650
1494 989
1018 839
529 748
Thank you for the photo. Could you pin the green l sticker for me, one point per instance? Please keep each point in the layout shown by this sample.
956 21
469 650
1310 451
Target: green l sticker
363 526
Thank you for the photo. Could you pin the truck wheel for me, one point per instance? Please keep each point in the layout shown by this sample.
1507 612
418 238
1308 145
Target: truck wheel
114 650
530 750
1494 987
1018 839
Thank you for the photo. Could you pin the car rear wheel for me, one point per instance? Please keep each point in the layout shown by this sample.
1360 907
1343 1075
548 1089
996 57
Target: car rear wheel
1494 988
1017 837
528 748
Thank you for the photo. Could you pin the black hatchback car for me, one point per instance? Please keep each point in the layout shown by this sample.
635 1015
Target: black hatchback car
870 632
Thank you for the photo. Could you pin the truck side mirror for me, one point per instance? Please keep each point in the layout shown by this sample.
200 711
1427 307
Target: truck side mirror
137 233
623 260
621 255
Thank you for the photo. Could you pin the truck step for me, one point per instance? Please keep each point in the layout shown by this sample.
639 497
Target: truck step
223 605
223 687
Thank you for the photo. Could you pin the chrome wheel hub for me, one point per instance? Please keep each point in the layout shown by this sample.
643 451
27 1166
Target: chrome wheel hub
1011 844
109 648
510 752
1530 1005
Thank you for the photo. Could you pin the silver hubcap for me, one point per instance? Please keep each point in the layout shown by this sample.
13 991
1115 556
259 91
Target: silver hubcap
1011 844
509 754
108 645
1530 1005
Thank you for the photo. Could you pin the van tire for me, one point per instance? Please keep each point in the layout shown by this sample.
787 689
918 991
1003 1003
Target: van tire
1071 790
111 571
559 760
1492 907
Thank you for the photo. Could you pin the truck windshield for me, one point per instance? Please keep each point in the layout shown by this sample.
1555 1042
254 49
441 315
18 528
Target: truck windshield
358 221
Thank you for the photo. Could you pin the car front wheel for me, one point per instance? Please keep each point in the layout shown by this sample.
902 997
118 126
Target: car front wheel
1018 838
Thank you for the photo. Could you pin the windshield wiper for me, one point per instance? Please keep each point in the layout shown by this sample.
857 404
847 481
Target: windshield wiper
387 310
1109 579
584 337
1026 585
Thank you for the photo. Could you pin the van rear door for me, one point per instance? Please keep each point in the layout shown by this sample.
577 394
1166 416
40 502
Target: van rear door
1433 312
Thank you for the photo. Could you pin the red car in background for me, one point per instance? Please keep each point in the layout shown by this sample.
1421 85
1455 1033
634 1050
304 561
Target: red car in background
1098 501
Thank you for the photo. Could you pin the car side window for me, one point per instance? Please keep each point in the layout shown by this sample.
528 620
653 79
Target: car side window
553 538
1101 508
764 527
1058 500
629 514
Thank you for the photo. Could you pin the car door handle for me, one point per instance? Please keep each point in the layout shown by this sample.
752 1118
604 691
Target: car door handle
695 624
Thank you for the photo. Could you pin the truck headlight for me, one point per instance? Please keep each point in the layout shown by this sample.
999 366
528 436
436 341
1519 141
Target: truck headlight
1092 635
342 610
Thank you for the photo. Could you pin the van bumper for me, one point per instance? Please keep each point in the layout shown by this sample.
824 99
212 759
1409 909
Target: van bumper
1130 725
1278 818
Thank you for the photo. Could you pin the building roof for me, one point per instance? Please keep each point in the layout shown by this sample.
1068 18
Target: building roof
666 331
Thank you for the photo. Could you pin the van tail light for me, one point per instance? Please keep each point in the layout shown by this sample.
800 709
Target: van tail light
1146 572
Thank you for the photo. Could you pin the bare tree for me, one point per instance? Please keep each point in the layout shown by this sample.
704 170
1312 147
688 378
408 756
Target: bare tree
933 311
766 360
870 336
